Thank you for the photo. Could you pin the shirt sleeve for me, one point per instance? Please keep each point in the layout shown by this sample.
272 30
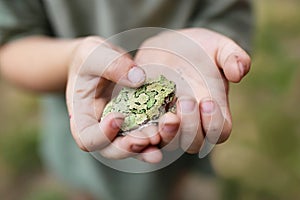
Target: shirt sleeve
21 18
232 18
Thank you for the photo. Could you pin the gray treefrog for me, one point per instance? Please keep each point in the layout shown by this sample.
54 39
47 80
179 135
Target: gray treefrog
145 104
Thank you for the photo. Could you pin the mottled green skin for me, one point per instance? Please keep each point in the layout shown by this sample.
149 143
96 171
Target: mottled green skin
143 104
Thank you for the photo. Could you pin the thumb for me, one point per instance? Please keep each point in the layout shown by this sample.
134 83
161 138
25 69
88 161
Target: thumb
234 61
110 63
116 66
227 54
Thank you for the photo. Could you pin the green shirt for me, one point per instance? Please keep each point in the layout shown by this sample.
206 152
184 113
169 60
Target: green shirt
76 18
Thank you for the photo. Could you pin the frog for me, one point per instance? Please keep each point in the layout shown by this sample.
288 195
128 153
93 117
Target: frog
144 105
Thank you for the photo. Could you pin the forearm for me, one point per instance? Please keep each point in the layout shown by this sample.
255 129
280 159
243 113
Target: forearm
37 63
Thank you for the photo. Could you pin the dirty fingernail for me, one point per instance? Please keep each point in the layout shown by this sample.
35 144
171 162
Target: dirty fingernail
136 75
241 68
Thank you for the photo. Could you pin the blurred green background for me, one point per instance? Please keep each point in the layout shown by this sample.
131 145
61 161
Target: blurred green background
261 160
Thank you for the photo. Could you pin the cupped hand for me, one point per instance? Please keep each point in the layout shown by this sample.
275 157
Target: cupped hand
207 61
93 72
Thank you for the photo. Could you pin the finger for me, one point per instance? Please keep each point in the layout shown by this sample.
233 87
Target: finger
126 146
216 127
151 132
91 63
234 61
94 55
151 155
168 130
228 55
103 61
96 135
191 137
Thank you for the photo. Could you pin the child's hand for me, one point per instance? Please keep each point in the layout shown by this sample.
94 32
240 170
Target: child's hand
207 114
95 69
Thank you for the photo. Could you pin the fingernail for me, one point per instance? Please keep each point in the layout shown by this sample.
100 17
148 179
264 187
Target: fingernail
137 148
207 106
186 105
170 128
241 68
136 75
117 123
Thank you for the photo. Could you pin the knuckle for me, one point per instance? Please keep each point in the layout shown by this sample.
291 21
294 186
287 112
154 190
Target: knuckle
225 133
220 134
81 146
80 143
190 129
86 45
118 64
227 129
215 128
192 151
120 61
77 139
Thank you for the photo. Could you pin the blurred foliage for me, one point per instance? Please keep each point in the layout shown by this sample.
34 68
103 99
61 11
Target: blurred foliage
19 130
19 151
46 194
261 160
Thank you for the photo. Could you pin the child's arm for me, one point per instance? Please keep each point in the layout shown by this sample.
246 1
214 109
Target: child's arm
37 63
208 61
44 64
